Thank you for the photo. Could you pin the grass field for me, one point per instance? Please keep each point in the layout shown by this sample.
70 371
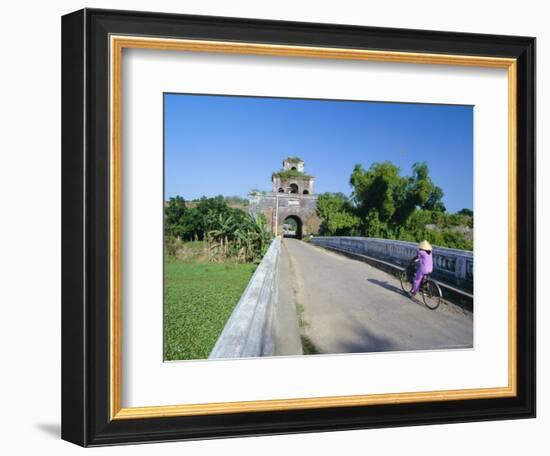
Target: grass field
198 299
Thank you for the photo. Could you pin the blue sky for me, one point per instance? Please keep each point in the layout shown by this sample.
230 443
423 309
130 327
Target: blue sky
230 145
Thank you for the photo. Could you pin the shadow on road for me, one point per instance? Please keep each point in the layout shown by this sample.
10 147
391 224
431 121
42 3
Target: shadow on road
358 339
388 286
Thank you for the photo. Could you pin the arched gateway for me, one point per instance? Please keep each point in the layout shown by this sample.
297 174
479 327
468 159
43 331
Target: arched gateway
292 227
291 203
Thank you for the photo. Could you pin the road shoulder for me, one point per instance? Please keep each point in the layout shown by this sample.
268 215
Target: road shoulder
287 330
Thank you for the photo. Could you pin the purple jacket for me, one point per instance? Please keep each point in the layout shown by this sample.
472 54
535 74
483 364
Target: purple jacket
425 262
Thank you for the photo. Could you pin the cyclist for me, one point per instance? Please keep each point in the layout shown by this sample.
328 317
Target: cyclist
425 265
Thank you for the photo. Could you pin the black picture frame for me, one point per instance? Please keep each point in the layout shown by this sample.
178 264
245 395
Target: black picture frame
85 227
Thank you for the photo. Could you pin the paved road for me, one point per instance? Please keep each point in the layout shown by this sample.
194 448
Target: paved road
350 306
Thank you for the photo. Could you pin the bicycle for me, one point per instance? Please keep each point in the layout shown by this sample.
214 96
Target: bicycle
431 293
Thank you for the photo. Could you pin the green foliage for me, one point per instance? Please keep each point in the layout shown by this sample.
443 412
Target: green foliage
337 218
174 215
198 300
438 228
386 204
239 235
467 212
377 190
289 174
192 223
228 232
385 200
232 200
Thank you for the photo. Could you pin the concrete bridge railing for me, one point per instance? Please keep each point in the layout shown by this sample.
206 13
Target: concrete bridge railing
250 330
450 265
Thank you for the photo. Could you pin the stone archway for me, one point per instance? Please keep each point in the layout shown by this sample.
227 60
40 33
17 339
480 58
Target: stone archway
293 227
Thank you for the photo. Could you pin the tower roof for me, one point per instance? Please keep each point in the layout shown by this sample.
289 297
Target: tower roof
293 160
293 164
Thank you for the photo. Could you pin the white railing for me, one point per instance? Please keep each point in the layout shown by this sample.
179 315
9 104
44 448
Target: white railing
453 265
250 332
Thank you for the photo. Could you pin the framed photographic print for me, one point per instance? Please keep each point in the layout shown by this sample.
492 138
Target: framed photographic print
279 227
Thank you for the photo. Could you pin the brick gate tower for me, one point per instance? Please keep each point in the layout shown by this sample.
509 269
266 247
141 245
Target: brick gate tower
291 206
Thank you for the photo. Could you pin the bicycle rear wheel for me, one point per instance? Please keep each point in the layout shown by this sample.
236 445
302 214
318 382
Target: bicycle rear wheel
406 283
431 295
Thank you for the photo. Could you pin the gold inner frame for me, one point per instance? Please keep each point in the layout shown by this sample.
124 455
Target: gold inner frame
117 44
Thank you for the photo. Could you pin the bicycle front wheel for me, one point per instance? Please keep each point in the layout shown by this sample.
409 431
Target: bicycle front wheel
431 295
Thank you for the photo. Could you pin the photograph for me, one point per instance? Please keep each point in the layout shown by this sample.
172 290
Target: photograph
297 226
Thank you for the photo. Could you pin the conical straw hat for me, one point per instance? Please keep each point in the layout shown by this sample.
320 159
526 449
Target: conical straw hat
425 245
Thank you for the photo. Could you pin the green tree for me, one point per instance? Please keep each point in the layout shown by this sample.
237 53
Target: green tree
418 192
385 200
434 202
336 214
377 188
228 232
174 215
467 212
